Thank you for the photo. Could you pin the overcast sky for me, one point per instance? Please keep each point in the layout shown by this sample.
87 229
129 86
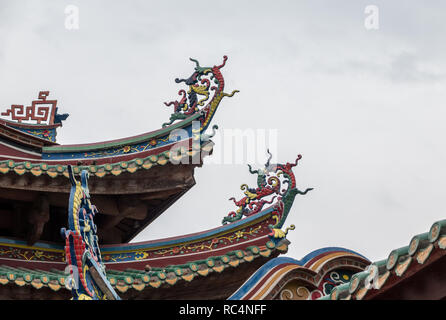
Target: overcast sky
365 108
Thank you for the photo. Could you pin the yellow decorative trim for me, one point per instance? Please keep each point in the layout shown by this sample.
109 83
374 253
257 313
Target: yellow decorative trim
122 288
19 171
76 203
4 170
139 286
155 284
203 272
13 245
20 282
52 174
147 165
188 277
4 281
218 236
222 267
234 263
283 247
248 258
36 283
172 281
100 174
36 172
54 286
265 253
132 169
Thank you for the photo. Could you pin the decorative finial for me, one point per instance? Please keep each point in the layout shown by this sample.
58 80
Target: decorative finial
206 85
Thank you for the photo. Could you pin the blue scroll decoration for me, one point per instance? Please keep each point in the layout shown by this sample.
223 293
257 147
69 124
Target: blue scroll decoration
87 279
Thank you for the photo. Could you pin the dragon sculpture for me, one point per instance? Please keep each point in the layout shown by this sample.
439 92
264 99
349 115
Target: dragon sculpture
205 92
271 181
87 279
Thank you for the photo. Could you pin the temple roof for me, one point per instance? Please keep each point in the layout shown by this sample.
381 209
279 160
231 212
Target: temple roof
131 194
40 119
140 279
391 278
270 280
36 125
244 241
265 283
140 268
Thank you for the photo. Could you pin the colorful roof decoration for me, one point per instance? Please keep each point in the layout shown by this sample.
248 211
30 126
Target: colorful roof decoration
201 83
168 261
270 184
135 277
40 119
128 203
87 279
306 279
159 147
390 278
54 279
128 164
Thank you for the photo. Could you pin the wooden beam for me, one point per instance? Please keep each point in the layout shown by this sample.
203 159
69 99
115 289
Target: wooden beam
129 207
161 195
